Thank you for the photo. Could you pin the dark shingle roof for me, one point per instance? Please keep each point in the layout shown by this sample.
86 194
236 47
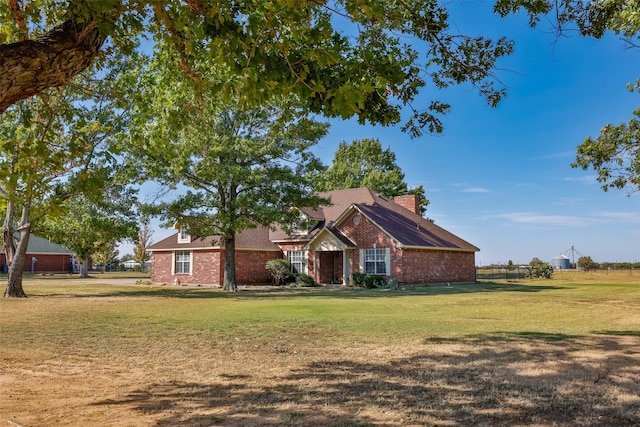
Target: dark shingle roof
38 245
407 228
252 238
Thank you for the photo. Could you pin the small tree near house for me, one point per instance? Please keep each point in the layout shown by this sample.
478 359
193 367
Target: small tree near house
280 269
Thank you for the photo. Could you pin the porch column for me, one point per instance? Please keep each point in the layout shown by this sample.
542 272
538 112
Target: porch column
345 268
315 266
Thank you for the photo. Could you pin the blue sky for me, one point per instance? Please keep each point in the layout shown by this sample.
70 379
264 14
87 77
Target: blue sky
501 178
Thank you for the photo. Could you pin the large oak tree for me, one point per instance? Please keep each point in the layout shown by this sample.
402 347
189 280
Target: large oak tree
345 58
240 167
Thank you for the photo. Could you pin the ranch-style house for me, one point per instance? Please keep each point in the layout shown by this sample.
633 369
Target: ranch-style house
361 231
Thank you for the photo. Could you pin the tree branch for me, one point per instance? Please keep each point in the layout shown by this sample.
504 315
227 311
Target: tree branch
51 60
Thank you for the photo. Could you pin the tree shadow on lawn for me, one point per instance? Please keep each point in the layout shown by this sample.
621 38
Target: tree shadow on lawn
505 379
284 292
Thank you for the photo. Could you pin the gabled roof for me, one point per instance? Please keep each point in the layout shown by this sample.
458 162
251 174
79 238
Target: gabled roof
342 241
407 228
38 245
252 238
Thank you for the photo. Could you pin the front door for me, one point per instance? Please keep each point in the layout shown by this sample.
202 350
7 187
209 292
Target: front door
330 268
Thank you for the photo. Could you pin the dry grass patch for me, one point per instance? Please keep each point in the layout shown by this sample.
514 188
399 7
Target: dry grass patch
165 357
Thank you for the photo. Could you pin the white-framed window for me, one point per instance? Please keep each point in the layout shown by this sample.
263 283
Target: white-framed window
298 261
375 261
182 262
183 235
301 226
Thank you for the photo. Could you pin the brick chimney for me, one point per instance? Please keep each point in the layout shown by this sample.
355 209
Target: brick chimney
409 201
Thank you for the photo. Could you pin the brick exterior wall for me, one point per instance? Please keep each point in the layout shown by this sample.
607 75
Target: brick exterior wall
409 266
208 267
428 266
45 263
250 266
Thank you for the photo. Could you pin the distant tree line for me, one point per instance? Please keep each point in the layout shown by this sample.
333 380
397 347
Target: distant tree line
583 263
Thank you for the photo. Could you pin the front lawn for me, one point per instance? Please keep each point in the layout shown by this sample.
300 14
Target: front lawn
549 352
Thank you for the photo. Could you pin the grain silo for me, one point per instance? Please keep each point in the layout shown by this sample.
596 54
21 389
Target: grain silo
561 262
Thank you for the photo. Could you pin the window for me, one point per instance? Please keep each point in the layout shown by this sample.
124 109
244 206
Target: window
298 261
375 261
183 236
183 262
301 226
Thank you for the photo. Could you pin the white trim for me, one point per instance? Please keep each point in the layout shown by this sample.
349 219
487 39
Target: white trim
387 261
190 271
304 260
183 236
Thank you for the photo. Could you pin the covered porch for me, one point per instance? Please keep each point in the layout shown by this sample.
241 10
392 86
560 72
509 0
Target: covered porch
331 257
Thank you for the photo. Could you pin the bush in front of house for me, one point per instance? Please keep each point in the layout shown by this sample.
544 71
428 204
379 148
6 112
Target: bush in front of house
369 281
304 280
357 279
372 281
280 270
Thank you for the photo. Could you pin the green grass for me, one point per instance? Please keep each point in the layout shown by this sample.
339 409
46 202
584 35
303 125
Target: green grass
541 307
548 352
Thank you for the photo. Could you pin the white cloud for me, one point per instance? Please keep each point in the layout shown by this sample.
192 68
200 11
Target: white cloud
590 219
562 155
475 190
584 178
619 217
533 218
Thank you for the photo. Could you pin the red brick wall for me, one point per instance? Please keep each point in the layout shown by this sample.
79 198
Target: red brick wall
45 263
410 266
250 266
365 234
204 271
433 266
208 270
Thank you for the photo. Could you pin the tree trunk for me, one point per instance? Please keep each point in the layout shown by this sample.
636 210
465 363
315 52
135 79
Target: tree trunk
84 267
16 267
16 254
51 60
229 278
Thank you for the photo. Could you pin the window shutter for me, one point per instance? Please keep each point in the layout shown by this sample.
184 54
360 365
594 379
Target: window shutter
387 258
173 263
361 268
305 262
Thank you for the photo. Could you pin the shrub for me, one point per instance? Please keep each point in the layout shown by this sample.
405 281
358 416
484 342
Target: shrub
304 280
537 271
372 281
392 284
357 279
280 270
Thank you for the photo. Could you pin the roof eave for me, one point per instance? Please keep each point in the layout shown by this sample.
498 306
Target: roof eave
439 248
